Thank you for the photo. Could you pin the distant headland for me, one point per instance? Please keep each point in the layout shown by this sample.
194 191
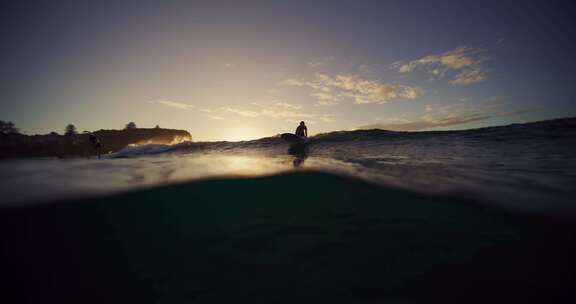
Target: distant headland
73 144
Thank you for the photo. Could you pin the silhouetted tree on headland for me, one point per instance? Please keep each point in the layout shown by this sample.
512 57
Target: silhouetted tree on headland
157 127
131 125
8 127
70 130
73 144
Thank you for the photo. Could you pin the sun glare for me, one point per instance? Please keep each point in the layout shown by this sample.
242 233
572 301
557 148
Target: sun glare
242 133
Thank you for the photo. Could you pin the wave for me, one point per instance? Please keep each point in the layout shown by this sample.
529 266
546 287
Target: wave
563 127
557 128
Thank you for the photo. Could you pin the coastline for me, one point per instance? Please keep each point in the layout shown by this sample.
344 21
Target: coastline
16 145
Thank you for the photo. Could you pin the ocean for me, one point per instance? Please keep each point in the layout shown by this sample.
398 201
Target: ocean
366 216
524 166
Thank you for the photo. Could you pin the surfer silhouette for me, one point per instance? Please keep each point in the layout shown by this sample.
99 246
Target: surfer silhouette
95 143
299 149
302 130
298 143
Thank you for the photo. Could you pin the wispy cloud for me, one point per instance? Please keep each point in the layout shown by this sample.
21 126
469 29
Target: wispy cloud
229 65
281 113
330 90
293 82
173 104
445 116
320 62
280 110
245 113
214 117
326 98
464 65
286 105
327 118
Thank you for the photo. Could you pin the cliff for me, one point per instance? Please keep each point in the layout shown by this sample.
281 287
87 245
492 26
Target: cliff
19 145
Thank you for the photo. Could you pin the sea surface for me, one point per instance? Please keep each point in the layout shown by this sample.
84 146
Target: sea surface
476 216
523 166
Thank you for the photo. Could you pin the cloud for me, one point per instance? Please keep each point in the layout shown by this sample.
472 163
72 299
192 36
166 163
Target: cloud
214 117
276 113
245 113
496 98
325 99
281 110
320 62
445 116
330 90
423 124
327 118
173 104
286 105
464 64
292 82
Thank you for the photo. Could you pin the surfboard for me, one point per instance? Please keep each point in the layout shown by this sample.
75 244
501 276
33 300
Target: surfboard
294 138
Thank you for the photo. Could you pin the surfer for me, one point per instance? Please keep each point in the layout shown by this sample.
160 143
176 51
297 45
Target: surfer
302 130
95 143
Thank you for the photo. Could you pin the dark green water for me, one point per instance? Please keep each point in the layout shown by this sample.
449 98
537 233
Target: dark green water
299 237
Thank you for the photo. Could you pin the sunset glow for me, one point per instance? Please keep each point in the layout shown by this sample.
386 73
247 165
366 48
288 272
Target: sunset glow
231 71
242 133
288 151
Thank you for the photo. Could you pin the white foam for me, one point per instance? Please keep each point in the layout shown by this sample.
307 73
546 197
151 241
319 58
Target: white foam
144 149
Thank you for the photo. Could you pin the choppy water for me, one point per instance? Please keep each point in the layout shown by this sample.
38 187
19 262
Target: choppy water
527 166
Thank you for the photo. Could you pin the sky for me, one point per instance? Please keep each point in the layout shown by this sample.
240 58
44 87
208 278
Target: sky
235 70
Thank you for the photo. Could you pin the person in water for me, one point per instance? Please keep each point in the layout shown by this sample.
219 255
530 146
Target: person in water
302 130
95 143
